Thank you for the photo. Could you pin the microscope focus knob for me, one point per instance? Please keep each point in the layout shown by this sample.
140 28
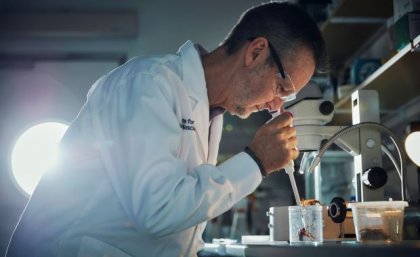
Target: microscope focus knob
326 107
337 210
375 177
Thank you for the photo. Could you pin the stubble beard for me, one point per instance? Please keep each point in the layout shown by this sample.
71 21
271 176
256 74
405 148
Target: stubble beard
246 91
241 112
244 96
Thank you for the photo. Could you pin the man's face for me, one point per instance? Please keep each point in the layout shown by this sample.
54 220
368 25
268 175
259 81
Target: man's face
264 87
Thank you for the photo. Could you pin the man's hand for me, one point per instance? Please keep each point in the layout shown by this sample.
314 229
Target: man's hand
275 143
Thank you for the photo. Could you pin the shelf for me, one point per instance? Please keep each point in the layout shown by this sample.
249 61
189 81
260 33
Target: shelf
352 27
352 24
397 81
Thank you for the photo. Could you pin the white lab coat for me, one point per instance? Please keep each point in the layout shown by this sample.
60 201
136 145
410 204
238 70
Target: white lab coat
138 174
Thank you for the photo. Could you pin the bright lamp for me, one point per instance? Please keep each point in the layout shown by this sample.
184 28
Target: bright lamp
412 147
35 152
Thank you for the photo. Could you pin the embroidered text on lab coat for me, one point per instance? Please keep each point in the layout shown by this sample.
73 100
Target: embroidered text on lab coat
187 124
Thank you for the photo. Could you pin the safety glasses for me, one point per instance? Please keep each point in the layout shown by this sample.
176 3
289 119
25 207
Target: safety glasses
285 88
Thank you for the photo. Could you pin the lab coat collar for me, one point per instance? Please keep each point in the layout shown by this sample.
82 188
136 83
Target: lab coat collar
194 79
193 71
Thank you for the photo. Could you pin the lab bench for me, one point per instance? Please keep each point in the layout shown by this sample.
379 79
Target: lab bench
407 248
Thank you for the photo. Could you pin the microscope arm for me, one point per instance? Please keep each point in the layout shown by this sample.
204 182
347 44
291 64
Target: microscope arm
310 117
310 138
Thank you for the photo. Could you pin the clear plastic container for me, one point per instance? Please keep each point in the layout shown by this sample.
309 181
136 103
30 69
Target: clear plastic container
305 224
378 221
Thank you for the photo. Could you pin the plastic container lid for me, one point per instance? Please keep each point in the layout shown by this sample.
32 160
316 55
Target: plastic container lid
311 207
379 204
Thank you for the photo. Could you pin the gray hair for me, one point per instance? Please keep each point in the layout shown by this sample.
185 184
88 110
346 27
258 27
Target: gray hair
287 26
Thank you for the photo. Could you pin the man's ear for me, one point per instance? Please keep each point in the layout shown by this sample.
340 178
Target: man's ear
257 51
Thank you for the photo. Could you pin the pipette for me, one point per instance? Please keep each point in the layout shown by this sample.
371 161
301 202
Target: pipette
290 169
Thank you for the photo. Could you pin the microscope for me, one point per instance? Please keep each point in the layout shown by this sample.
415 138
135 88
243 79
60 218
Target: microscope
362 140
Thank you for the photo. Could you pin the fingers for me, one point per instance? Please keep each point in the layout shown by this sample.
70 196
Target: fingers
285 133
290 147
275 143
294 153
292 143
285 119
290 153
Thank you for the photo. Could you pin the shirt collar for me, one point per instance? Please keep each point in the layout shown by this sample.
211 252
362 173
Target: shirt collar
216 111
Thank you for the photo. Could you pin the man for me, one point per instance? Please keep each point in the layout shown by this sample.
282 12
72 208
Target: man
138 174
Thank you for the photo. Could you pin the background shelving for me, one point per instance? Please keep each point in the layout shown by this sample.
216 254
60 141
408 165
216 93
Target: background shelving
351 29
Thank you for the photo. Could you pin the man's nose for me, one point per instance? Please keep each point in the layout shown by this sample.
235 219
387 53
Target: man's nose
276 103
